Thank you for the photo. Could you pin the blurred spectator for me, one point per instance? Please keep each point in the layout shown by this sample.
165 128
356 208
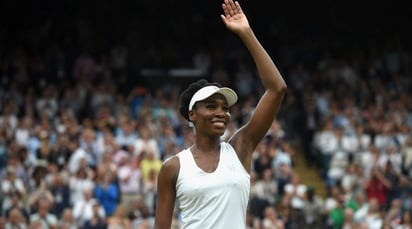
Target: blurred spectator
61 192
118 219
9 185
279 157
286 212
87 208
261 159
373 219
406 151
266 188
360 205
257 204
107 192
370 159
313 208
393 215
406 220
97 221
17 203
67 220
283 178
148 163
78 154
333 197
61 151
126 135
89 144
80 181
130 179
140 215
43 215
348 181
146 143
8 118
377 186
336 215
23 130
15 220
348 221
150 190
271 219
326 143
391 156
296 190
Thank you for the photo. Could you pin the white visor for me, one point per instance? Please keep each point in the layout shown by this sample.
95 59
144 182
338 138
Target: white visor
206 92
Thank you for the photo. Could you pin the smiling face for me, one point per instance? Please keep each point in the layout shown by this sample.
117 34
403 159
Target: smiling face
211 116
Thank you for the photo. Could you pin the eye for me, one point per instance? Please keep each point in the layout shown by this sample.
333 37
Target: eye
211 106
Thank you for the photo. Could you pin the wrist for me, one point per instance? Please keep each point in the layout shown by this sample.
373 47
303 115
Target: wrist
246 34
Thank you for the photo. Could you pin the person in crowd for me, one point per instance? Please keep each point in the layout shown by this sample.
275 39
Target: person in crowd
107 192
67 220
16 220
83 208
17 203
271 219
97 220
313 208
61 192
47 219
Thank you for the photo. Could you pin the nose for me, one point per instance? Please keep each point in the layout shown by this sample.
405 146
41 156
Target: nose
222 113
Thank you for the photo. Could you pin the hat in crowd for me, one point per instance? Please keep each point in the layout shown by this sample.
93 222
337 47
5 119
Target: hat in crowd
205 92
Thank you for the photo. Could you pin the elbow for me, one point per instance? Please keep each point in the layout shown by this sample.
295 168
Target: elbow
282 88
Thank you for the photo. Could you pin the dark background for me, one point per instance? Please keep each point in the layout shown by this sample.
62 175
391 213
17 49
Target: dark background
279 22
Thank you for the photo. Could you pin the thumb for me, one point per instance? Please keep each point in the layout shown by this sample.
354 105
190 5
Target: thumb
224 19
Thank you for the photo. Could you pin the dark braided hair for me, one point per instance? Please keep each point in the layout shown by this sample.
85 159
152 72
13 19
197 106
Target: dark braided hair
188 93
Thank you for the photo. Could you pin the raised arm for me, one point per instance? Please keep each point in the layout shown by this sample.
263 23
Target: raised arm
247 138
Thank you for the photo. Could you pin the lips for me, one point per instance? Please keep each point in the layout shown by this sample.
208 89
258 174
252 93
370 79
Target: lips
219 123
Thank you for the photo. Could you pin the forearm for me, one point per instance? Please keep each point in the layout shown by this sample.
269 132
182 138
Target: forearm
268 72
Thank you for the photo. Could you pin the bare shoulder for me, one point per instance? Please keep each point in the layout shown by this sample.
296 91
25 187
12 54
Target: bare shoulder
170 167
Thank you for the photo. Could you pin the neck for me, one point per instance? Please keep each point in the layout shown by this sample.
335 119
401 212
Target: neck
206 145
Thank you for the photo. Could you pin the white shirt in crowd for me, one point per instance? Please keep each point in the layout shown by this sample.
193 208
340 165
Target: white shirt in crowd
83 210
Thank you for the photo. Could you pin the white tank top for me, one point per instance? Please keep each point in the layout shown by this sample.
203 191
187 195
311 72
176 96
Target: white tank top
216 200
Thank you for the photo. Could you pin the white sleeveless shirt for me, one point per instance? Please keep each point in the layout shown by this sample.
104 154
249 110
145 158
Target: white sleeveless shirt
216 200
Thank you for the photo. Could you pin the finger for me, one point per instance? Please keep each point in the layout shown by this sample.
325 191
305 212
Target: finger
224 19
231 7
239 9
225 10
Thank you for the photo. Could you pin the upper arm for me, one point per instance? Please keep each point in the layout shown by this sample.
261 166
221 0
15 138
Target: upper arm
248 137
263 116
166 193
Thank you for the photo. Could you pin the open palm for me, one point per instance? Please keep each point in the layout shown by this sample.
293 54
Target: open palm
233 17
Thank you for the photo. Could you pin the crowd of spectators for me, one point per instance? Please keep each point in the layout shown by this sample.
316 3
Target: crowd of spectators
83 134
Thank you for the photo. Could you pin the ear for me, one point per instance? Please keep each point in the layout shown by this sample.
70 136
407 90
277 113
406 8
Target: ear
192 116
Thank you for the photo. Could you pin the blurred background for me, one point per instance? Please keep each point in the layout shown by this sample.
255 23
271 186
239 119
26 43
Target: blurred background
89 109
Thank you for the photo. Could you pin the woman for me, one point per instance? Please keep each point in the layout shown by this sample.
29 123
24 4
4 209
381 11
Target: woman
211 179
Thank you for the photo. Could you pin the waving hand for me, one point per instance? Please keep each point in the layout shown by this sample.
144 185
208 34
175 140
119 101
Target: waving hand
233 17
